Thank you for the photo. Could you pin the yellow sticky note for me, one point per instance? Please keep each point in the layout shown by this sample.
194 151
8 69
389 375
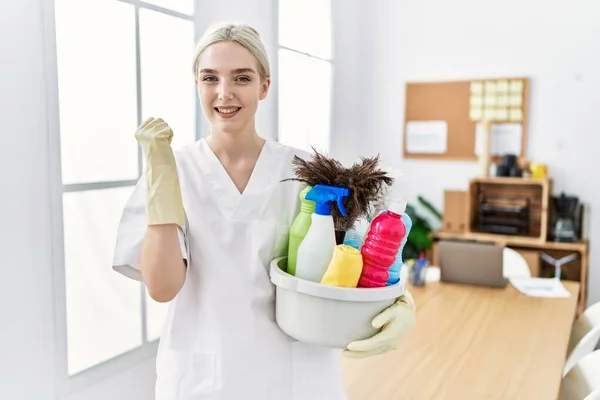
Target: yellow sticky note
476 101
476 88
502 86
476 114
502 101
515 114
516 87
501 114
490 87
515 100
490 100
489 113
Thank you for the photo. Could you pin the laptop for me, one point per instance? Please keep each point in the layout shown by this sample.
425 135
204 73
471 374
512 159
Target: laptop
471 263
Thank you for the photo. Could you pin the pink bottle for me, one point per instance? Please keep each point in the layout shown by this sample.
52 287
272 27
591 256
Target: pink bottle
381 246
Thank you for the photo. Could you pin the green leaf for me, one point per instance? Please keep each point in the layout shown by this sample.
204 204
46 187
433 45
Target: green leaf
419 236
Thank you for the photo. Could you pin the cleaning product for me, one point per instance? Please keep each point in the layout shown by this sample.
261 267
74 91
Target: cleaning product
299 229
345 267
381 246
397 266
316 250
418 271
356 234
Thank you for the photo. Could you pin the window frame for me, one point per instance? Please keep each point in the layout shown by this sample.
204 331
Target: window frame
330 60
68 384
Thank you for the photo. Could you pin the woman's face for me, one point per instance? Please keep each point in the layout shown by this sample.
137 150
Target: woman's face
230 87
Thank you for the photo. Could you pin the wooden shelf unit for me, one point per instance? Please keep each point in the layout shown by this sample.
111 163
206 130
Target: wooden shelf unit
534 193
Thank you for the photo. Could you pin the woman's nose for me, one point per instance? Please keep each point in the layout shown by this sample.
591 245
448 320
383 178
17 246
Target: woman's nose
225 91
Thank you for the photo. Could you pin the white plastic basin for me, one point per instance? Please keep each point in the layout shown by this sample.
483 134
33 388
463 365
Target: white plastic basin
326 315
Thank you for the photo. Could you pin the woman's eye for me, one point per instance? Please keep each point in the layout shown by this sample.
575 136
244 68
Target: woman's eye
209 79
243 79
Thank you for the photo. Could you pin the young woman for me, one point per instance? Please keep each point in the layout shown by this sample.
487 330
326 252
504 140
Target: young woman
200 230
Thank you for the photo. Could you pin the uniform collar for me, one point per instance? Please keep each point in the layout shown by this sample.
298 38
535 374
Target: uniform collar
264 178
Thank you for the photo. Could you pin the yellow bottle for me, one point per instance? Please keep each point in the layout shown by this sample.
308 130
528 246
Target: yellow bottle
345 267
538 171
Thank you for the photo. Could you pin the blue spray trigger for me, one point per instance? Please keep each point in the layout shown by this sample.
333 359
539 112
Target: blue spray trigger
340 203
323 195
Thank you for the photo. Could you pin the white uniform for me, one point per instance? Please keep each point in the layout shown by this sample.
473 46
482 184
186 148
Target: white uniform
220 340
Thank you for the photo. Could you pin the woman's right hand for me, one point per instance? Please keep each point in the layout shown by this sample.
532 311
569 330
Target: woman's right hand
164 204
154 137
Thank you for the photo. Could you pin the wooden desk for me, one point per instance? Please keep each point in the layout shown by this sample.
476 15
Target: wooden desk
517 242
472 343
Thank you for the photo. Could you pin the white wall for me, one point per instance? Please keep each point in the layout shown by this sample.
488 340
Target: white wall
553 43
349 83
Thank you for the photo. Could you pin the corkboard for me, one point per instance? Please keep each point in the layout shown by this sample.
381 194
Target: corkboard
451 102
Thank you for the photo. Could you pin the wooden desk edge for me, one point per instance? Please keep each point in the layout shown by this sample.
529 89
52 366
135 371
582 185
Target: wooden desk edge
507 240
504 240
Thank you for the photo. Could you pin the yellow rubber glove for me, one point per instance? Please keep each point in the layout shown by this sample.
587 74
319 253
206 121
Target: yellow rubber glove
395 322
164 204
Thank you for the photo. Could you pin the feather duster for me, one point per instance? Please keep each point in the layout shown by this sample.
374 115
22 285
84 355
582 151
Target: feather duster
364 179
389 193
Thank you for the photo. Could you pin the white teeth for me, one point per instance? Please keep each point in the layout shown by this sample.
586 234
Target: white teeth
227 110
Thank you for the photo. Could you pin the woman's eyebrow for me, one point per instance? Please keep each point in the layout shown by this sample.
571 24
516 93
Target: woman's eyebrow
235 71
244 71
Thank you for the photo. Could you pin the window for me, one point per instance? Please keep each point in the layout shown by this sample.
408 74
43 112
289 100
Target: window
305 73
118 62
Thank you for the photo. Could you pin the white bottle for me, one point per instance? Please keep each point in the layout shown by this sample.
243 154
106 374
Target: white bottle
316 250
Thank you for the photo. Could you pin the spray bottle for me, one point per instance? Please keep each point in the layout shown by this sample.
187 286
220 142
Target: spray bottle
299 229
316 250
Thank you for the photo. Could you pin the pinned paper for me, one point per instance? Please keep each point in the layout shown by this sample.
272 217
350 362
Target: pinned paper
497 100
476 101
502 86
516 87
515 100
490 87
476 88
503 101
476 114
501 114
490 100
515 114
505 138
426 137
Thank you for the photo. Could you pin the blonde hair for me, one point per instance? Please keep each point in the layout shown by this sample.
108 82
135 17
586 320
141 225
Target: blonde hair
242 34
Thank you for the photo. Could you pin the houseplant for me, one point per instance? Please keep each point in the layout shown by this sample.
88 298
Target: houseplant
419 238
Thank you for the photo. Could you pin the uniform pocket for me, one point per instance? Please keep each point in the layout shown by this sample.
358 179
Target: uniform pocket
198 382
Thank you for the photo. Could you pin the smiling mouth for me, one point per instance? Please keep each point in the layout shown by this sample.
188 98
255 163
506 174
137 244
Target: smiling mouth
227 111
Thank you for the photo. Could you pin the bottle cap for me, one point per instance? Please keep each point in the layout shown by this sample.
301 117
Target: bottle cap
307 206
397 206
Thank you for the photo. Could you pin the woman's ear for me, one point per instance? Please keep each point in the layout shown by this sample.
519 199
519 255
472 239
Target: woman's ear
264 88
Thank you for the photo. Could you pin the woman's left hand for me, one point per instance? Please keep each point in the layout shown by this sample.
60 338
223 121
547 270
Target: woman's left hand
395 322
